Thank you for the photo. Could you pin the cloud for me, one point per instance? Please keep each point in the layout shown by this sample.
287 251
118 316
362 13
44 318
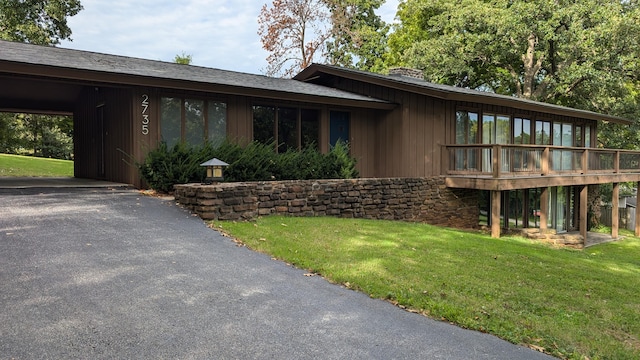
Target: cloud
216 33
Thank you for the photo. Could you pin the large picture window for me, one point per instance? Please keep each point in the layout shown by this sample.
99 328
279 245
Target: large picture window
466 133
289 128
193 121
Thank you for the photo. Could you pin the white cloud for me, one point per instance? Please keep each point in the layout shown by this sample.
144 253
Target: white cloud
216 33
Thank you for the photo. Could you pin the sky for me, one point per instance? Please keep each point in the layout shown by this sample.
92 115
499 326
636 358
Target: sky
220 34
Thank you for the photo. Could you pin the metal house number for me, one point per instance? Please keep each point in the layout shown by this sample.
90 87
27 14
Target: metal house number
145 114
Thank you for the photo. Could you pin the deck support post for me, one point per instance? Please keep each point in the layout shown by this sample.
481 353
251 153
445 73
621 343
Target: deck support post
495 214
544 208
615 211
584 195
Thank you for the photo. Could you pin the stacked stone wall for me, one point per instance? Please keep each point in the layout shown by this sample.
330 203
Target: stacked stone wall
408 199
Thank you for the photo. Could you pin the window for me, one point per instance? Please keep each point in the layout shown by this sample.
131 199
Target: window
521 131
522 159
216 122
466 133
192 121
543 132
264 124
290 128
496 129
170 120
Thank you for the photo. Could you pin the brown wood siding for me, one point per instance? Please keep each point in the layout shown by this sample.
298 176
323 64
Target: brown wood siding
83 138
239 119
408 140
363 145
103 150
118 139
145 127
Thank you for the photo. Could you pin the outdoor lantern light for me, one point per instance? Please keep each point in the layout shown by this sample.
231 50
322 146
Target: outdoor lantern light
214 170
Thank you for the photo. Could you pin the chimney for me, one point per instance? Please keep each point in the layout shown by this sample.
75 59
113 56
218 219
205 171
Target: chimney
408 72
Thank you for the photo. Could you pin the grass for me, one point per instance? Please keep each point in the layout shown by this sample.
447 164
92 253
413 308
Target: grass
28 166
577 304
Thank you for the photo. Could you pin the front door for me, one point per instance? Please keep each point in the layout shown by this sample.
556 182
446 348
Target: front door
338 127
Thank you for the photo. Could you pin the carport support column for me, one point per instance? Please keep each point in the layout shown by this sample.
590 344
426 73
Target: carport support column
544 208
615 211
495 214
584 195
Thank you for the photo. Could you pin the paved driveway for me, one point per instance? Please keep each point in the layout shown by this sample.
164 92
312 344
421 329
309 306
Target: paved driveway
101 273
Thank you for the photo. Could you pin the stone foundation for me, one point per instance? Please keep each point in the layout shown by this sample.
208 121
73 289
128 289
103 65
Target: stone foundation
409 199
550 236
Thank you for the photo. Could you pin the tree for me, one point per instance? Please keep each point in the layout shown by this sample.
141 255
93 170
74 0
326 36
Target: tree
37 135
183 59
42 22
358 35
573 53
294 33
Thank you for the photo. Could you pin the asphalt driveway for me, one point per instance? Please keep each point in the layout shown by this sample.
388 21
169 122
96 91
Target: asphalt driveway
110 273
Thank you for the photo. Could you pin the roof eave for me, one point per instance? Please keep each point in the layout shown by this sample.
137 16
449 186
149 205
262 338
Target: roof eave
121 79
314 71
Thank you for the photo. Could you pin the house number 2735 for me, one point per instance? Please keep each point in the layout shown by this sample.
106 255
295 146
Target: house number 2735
145 114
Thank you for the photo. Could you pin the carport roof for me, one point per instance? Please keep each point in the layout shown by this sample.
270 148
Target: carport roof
68 64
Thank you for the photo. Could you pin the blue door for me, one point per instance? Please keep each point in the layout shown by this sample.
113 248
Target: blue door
338 127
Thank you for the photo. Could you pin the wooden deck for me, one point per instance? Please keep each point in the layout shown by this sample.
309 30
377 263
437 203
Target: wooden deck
497 168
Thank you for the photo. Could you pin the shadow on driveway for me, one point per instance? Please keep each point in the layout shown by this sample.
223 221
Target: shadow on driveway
110 273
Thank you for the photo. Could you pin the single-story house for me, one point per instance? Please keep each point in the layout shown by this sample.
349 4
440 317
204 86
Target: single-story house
532 163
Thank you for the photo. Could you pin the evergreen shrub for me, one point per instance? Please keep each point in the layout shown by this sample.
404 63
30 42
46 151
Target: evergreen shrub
180 164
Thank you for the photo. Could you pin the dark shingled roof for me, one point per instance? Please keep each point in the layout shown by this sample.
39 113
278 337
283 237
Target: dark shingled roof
95 62
450 92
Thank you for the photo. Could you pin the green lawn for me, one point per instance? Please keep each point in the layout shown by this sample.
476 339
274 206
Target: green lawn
578 304
16 165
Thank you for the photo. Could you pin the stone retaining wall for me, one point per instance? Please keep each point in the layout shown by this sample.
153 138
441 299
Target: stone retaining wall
409 199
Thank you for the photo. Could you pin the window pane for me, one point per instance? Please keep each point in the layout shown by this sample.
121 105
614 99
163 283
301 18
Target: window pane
503 129
526 131
170 120
557 134
543 130
567 134
217 122
194 121
587 136
488 128
264 118
287 129
310 128
579 136
462 121
473 128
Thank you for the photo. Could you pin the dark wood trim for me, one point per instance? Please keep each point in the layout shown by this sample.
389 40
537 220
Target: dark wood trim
490 183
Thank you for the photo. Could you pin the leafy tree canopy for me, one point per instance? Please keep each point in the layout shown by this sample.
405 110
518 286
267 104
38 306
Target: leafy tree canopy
575 53
183 59
358 35
42 22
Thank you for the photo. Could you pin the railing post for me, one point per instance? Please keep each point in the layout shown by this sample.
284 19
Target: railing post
616 162
497 160
585 161
544 165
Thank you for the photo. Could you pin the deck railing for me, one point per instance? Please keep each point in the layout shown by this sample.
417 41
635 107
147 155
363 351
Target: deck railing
505 160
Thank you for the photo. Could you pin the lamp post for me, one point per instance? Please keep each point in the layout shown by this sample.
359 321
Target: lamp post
214 170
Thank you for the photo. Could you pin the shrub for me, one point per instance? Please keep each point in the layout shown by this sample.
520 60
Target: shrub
180 164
